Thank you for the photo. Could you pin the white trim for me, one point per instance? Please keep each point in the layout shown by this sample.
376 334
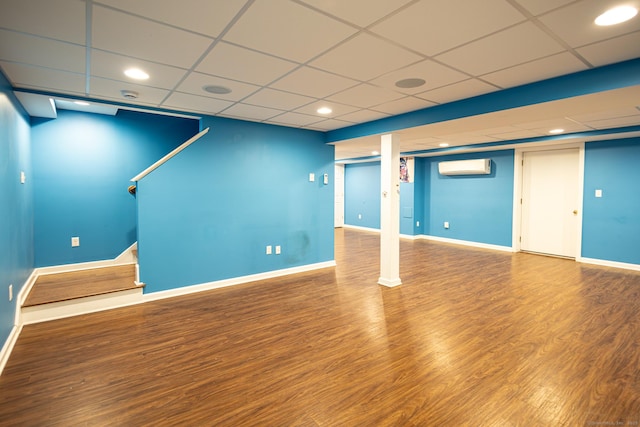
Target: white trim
357 227
7 348
468 243
389 283
605 263
186 290
78 306
166 158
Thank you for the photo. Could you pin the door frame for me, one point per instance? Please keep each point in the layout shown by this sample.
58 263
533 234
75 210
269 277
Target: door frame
517 191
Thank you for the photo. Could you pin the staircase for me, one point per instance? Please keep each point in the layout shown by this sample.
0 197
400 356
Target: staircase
59 295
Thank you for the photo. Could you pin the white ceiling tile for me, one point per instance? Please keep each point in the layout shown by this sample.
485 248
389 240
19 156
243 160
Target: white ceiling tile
26 76
365 57
17 47
362 116
615 122
329 124
251 112
314 83
202 16
467 138
518 134
296 119
575 23
359 12
277 99
226 60
57 19
434 26
132 36
287 30
112 66
195 82
605 115
540 69
188 102
337 109
610 51
435 75
537 7
456 91
106 88
544 126
522 43
365 96
404 105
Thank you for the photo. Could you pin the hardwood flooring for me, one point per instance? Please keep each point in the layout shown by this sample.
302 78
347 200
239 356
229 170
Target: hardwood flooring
77 284
471 338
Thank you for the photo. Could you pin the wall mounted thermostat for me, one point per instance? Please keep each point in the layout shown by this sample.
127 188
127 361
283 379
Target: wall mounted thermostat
326 178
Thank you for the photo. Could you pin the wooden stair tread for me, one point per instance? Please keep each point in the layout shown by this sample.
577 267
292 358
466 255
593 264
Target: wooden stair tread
68 286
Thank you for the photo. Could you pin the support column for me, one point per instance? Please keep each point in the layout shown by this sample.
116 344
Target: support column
390 211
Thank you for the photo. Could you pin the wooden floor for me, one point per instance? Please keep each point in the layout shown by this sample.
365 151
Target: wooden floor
472 338
77 284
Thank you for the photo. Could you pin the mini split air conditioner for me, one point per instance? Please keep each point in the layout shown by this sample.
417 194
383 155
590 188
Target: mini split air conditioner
465 167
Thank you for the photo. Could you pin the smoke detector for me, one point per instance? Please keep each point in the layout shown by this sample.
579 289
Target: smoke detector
129 94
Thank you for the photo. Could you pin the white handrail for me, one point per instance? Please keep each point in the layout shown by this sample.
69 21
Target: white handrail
157 164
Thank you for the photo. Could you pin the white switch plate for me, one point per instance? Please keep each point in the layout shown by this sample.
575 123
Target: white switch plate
598 193
269 250
75 242
23 177
446 224
417 223
312 177
278 250
10 292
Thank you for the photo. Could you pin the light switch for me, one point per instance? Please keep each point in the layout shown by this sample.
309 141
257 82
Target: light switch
312 177
268 250
75 242
277 250
23 177
326 179
598 193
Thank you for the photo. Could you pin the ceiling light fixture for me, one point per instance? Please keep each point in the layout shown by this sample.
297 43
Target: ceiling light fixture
324 110
217 90
136 74
375 153
83 103
556 131
410 83
616 15
443 144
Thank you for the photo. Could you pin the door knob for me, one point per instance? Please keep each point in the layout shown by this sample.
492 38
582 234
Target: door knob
575 211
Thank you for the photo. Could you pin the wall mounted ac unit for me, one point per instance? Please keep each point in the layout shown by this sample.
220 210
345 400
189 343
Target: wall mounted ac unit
465 167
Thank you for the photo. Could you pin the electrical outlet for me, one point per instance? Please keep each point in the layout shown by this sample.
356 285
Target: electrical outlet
10 292
278 250
446 224
268 249
75 242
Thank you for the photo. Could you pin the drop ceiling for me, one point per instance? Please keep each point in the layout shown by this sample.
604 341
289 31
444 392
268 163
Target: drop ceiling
283 59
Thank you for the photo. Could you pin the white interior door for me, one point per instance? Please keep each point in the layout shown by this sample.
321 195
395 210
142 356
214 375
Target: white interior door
550 202
339 196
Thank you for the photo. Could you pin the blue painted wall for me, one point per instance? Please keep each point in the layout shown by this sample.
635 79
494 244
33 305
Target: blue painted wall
209 213
362 194
479 208
16 205
82 167
611 224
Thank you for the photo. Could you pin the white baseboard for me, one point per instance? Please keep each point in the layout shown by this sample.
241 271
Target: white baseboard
605 263
357 227
235 281
468 243
7 348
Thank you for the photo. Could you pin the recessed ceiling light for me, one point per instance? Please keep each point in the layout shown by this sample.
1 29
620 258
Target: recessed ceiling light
410 83
375 153
324 110
616 15
443 144
218 90
136 73
556 131
83 103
